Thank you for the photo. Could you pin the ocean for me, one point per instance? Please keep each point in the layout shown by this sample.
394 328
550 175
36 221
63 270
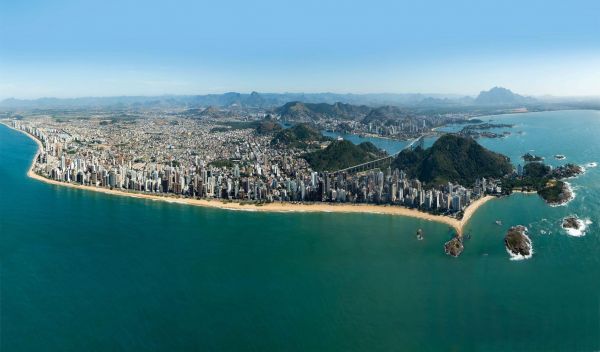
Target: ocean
88 271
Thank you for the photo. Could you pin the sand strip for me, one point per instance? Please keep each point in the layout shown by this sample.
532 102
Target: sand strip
458 225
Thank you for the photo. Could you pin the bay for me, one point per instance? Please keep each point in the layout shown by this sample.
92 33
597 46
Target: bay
87 271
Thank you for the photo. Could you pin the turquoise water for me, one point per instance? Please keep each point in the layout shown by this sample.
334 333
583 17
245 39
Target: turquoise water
87 271
391 146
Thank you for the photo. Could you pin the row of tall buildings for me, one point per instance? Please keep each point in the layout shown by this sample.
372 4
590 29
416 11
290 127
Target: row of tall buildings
249 180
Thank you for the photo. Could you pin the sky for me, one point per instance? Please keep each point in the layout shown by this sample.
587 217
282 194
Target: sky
74 48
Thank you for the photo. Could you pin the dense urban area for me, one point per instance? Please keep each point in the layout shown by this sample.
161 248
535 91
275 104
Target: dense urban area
257 154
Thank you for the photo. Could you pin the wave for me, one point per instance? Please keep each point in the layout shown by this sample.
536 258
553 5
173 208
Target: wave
514 256
591 164
582 224
571 191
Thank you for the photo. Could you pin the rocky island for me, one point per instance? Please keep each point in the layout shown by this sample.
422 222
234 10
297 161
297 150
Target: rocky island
571 222
482 130
517 243
531 158
454 247
575 226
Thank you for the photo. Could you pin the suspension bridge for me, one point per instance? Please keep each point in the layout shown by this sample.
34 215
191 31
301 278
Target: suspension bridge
382 162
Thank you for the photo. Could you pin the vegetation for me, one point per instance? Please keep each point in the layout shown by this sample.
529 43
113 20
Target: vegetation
308 111
342 154
541 178
555 191
299 136
452 158
266 127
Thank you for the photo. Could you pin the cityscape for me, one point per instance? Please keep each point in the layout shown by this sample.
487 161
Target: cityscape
182 157
256 176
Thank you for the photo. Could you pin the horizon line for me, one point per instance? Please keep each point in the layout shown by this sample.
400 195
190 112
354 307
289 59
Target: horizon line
459 95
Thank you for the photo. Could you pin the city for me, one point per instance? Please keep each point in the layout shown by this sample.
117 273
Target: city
181 157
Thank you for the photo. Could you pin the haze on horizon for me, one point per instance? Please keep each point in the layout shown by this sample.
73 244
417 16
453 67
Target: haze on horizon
70 48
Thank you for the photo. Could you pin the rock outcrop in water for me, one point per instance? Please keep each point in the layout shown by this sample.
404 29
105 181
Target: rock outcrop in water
571 222
574 226
567 171
556 192
454 247
517 243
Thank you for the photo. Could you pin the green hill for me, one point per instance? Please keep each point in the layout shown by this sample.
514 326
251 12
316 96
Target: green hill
298 136
342 154
266 127
453 158
385 114
312 111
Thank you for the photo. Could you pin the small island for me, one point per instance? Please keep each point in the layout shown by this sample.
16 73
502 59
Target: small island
531 158
517 243
559 157
571 222
575 226
482 130
454 247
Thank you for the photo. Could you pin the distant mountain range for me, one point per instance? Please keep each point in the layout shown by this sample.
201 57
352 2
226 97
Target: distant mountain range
229 100
499 96
339 104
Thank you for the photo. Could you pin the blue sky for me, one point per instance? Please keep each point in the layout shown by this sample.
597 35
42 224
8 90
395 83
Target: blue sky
68 48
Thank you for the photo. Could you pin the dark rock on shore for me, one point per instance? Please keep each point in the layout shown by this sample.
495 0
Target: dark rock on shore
517 242
454 247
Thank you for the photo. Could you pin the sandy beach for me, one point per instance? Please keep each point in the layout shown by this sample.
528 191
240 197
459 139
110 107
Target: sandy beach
458 225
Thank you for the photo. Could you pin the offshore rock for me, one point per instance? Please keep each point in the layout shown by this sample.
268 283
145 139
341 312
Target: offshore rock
454 247
518 244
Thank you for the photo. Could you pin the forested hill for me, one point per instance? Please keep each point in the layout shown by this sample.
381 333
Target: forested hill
308 111
453 158
342 154
298 136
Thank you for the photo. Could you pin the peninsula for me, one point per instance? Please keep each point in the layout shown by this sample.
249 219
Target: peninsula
455 220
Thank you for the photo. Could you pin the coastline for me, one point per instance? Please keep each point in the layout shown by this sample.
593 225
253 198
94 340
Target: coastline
285 207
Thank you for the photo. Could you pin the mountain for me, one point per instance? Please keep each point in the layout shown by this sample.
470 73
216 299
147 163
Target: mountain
267 126
230 99
342 154
501 96
385 113
310 111
298 136
453 158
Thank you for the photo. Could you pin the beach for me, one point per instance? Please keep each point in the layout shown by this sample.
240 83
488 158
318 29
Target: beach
456 224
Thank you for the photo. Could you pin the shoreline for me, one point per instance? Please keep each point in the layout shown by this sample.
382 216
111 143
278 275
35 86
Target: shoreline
275 207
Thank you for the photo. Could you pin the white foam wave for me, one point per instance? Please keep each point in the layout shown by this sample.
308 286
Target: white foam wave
591 164
570 189
514 256
580 232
